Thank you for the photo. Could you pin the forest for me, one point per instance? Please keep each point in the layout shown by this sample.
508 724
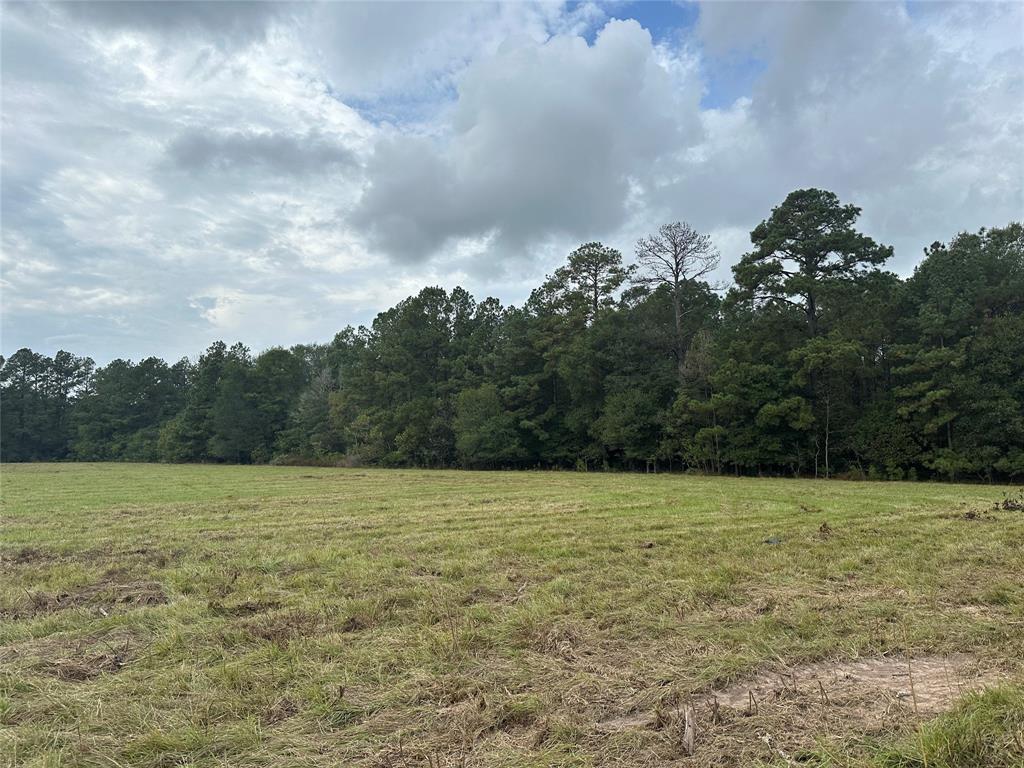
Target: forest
816 361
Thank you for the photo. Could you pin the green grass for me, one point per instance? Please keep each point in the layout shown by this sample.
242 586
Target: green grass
157 615
984 730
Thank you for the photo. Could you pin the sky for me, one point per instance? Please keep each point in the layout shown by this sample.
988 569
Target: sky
177 173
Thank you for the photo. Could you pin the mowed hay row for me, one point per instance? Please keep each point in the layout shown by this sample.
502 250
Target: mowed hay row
272 616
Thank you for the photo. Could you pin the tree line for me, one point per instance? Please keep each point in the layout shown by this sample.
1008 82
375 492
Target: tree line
816 361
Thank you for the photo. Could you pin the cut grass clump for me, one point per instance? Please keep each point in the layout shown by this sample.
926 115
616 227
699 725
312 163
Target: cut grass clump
103 597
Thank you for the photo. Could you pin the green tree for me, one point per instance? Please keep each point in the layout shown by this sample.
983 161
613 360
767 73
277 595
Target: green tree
829 365
121 416
236 430
37 397
485 429
311 432
278 379
803 250
24 420
590 279
629 427
186 437
959 363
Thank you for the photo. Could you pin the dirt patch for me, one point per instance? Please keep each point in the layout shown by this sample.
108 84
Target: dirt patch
355 623
34 556
30 555
155 556
425 572
929 684
634 722
781 716
480 594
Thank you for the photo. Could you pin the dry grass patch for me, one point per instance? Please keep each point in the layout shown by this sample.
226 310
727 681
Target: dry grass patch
104 597
75 658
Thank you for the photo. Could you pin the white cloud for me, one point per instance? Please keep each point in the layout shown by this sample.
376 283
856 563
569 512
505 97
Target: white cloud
544 140
401 58
881 108
274 319
174 172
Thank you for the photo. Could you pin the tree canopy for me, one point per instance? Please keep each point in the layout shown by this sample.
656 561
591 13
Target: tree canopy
816 361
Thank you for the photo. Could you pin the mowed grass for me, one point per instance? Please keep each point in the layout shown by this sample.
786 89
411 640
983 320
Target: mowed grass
158 615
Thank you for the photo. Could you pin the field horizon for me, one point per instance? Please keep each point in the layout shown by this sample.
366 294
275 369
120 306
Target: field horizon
208 615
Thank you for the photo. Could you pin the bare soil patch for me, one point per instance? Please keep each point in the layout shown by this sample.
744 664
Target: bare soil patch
13 559
781 715
929 684
87 665
784 714
1012 502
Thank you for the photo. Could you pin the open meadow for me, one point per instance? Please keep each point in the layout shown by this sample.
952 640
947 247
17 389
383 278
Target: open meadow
163 615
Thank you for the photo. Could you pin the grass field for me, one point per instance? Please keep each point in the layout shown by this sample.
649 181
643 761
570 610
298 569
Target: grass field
272 616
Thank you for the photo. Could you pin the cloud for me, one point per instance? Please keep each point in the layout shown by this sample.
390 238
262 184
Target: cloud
233 313
887 110
202 151
544 140
176 171
400 58
226 24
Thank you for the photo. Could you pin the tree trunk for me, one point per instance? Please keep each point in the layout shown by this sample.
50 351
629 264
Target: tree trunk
812 315
678 309
828 414
714 424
